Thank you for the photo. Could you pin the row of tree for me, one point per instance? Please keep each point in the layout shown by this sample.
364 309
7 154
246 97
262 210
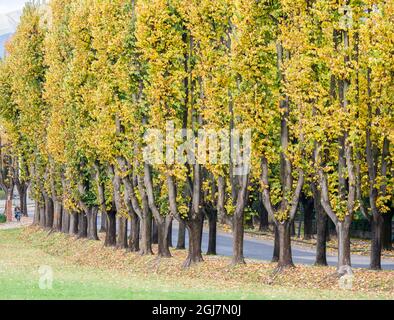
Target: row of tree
84 81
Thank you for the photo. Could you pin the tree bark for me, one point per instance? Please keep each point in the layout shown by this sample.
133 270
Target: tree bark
36 216
342 227
161 222
65 221
91 215
42 215
222 214
134 239
82 225
284 231
48 212
321 228
292 229
134 207
263 214
162 238
275 255
307 204
22 190
376 241
239 217
8 203
194 251
238 239
22 187
121 207
122 233
321 238
343 233
194 220
146 234
110 232
57 215
212 221
155 232
101 196
74 223
181 236
170 235
103 222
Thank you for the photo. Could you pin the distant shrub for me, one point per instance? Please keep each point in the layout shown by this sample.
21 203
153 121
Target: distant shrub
2 218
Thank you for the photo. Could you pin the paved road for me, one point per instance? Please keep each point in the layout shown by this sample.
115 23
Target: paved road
259 249
262 250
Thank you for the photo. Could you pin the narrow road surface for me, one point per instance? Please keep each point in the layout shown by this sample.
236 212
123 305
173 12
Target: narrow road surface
25 221
262 250
253 248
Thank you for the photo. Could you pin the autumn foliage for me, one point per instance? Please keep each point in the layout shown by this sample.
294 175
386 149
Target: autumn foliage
83 83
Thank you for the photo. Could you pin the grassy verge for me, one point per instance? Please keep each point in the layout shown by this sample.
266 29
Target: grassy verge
86 270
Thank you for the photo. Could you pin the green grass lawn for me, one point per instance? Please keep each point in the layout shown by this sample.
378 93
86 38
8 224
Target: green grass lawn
20 279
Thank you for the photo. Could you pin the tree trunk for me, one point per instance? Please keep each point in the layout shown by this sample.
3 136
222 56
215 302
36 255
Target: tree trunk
202 226
146 234
321 238
8 203
65 221
74 223
92 224
36 217
162 237
122 233
321 228
275 255
343 233
82 225
170 235
194 255
134 239
223 218
48 212
307 204
238 239
181 236
284 232
155 235
376 241
212 220
110 232
387 230
263 213
103 222
22 190
42 215
292 229
57 215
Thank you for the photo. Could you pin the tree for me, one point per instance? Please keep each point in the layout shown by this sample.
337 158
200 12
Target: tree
192 109
25 62
374 82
